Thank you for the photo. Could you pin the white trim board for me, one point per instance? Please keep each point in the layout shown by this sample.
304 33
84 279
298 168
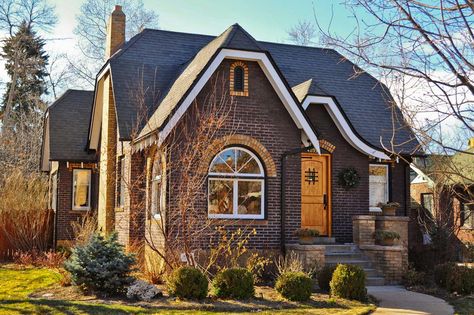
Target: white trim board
271 74
343 125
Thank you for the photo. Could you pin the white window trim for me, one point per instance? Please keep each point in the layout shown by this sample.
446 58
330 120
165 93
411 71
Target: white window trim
235 177
235 203
74 189
387 192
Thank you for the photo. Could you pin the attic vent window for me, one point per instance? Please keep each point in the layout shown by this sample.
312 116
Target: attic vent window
239 79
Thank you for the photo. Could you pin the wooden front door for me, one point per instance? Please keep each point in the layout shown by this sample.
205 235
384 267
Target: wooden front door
316 192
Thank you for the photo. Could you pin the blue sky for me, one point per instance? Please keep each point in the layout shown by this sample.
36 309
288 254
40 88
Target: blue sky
264 19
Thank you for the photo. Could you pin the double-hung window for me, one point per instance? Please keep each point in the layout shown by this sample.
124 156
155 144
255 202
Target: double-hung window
81 189
378 185
236 185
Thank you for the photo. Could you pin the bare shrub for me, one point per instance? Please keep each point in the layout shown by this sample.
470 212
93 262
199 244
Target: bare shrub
25 220
48 259
289 263
84 228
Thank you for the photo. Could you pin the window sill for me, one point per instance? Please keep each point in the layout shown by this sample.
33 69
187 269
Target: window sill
466 228
80 210
238 221
375 209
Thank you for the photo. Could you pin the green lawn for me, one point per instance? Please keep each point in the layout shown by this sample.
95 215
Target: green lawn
17 285
463 305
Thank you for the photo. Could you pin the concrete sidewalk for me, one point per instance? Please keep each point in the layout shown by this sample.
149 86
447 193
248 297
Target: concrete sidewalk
397 300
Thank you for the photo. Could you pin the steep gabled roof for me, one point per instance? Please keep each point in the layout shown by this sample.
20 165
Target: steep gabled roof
164 64
67 127
234 37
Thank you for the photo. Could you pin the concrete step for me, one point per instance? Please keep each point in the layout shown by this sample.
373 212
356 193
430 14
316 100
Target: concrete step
345 259
344 248
371 281
362 263
370 272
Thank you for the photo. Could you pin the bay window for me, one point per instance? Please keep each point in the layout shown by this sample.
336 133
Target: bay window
236 185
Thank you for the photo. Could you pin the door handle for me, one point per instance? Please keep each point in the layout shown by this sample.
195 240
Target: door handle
325 201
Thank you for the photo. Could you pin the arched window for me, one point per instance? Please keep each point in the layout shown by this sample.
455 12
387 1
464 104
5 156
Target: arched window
236 185
238 79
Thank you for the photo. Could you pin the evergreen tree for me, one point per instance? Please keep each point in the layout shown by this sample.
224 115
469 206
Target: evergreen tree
26 62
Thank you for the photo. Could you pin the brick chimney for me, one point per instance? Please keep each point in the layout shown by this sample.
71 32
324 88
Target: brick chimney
115 31
470 144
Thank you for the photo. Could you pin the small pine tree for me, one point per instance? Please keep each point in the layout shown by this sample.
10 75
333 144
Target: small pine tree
101 266
26 62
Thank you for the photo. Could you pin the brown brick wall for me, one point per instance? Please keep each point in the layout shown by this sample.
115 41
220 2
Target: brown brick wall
355 201
262 116
65 214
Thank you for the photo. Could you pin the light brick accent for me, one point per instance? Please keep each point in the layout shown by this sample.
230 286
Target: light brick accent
326 145
311 255
391 261
245 92
363 229
108 153
115 31
238 139
395 224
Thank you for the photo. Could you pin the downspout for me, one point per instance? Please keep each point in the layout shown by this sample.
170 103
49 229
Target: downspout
283 194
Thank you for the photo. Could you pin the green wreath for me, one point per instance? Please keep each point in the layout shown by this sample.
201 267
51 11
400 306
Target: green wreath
348 178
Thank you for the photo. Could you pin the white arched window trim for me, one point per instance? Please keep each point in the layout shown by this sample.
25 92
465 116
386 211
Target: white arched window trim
240 183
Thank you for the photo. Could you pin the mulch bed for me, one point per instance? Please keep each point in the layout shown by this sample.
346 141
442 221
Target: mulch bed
265 299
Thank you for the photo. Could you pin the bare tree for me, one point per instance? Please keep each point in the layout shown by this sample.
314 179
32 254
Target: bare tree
303 33
425 52
36 13
91 30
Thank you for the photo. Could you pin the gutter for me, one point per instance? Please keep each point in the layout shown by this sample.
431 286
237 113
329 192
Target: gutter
283 158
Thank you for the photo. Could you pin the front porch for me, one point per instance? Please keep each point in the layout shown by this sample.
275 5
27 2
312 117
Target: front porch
382 264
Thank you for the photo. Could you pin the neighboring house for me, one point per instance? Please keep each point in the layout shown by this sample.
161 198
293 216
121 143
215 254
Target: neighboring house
303 119
443 187
72 169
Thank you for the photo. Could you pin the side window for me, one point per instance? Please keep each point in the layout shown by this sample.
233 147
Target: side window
378 185
239 77
121 182
427 201
467 220
81 189
156 188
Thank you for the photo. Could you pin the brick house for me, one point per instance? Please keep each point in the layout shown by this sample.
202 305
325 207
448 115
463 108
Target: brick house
303 120
72 170
442 186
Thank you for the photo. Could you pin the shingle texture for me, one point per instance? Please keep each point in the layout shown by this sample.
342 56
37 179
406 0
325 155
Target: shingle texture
160 67
68 126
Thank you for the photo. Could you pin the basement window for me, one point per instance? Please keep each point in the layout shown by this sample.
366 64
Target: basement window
81 189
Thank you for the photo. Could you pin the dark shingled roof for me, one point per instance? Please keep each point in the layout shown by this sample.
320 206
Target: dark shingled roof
69 118
163 65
